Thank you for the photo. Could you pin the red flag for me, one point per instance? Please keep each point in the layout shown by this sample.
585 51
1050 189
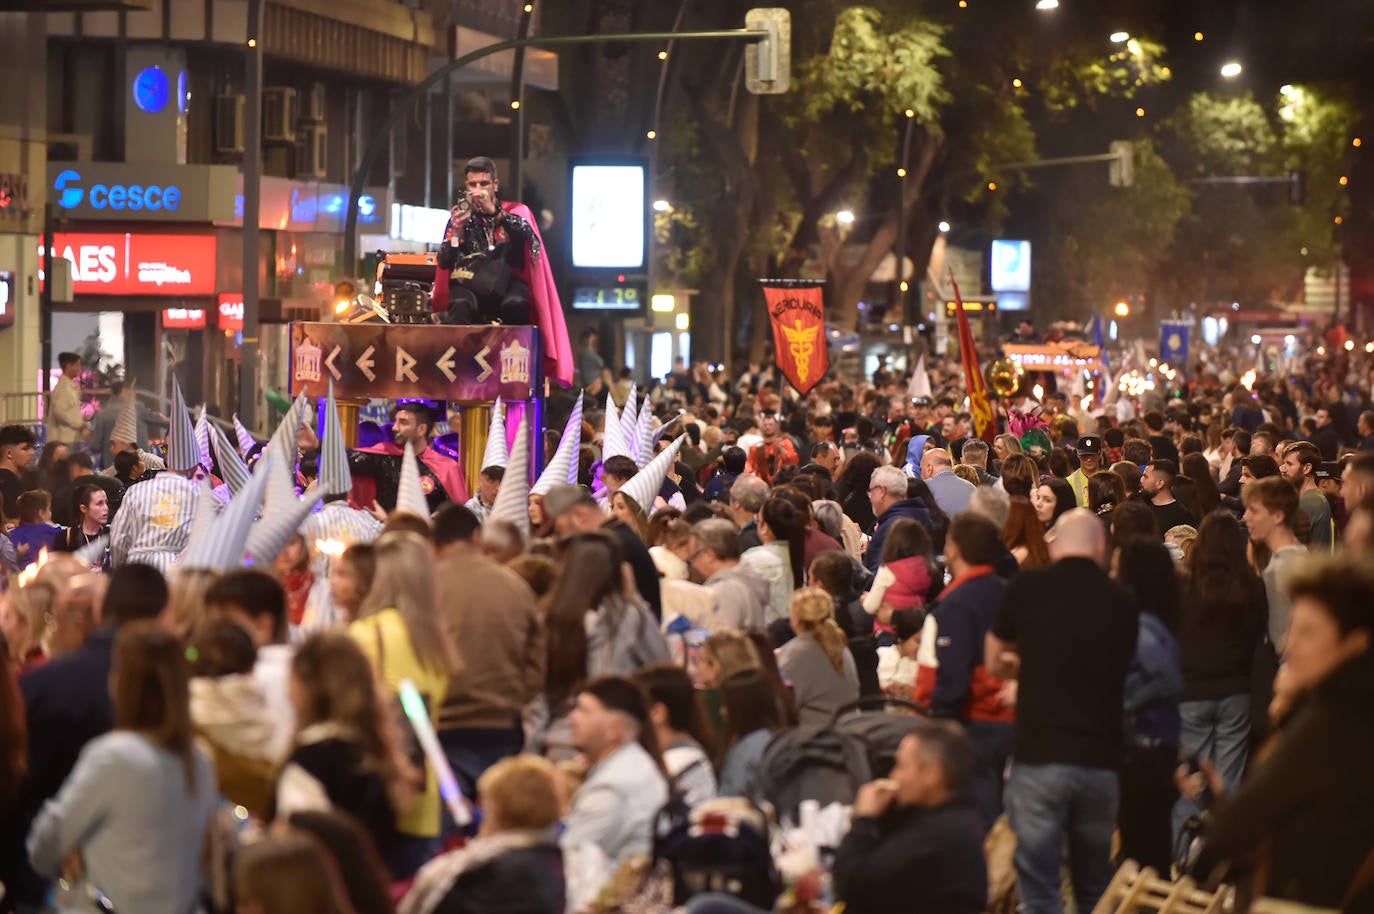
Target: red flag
983 422
797 313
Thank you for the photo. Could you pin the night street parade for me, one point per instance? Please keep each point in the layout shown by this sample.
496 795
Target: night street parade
682 457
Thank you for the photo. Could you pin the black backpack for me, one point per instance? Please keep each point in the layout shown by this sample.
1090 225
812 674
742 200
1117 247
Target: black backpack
723 845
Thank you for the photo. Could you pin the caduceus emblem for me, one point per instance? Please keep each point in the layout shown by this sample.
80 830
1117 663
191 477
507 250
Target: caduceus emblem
801 342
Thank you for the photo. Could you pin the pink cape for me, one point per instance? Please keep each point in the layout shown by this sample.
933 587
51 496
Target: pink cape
548 310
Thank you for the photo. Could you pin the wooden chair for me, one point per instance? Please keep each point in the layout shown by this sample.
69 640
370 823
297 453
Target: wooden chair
1135 890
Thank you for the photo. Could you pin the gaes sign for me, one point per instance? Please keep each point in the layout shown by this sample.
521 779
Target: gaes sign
130 264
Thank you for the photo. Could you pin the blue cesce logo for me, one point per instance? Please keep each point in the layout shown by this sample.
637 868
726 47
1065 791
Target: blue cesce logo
115 196
152 89
68 197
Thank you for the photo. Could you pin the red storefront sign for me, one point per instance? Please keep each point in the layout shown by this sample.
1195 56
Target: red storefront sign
231 311
183 319
137 264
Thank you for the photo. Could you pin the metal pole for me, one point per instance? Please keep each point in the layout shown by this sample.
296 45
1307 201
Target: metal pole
516 178
252 188
899 245
399 109
45 296
448 141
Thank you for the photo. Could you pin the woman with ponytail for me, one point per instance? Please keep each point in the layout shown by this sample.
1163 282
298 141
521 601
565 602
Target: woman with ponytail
781 559
817 662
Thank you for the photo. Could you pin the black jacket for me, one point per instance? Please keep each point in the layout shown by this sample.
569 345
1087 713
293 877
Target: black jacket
1312 799
526 880
914 859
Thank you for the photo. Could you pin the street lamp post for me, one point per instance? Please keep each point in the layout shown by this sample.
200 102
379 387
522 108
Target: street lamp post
252 182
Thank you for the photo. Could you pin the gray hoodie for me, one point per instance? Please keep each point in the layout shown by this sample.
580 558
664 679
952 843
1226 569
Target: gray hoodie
742 599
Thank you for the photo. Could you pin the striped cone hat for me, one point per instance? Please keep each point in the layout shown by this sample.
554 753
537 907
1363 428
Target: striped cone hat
231 466
284 437
203 438
513 498
221 548
645 434
612 438
496 455
245 438
182 451
335 477
563 467
643 486
410 497
629 426
126 423
281 518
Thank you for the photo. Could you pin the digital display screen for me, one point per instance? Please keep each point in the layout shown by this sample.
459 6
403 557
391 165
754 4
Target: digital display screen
607 298
608 216
1011 266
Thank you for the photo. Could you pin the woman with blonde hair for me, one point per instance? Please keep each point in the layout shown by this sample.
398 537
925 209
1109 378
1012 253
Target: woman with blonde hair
24 616
631 513
399 631
346 754
186 605
817 662
515 863
137 807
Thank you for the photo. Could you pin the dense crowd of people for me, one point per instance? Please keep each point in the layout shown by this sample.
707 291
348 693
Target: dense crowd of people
732 648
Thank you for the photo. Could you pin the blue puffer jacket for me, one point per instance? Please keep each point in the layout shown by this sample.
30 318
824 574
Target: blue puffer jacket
1154 686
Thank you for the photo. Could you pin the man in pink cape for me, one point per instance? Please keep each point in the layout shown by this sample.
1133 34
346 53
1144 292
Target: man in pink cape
491 267
376 470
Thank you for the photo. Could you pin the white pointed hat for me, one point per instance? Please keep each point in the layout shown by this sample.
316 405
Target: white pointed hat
245 438
203 514
277 525
126 423
231 466
496 455
645 434
513 498
920 380
563 467
182 451
629 426
203 437
222 547
284 438
643 486
410 497
612 438
335 477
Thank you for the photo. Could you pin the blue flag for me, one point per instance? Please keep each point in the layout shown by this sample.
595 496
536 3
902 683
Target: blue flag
1173 344
1100 341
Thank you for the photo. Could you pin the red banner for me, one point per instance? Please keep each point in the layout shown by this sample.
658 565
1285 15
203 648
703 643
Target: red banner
797 313
984 423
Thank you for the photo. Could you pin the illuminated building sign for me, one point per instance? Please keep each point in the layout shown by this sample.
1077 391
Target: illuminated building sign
132 264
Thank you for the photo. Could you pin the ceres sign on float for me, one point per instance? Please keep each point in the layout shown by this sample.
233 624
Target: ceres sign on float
130 264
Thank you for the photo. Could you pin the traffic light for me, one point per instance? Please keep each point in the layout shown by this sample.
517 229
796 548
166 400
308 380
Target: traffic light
768 62
1122 172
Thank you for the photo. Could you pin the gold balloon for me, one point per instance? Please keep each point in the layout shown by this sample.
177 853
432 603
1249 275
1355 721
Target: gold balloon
1004 376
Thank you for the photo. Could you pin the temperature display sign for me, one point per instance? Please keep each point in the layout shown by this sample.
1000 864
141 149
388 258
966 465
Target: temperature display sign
608 298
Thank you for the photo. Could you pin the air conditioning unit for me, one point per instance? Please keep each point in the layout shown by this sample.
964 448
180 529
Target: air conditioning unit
229 124
279 115
312 105
313 151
